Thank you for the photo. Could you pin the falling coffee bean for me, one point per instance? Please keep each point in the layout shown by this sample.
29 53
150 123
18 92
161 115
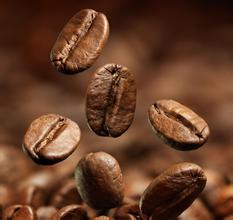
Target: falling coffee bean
177 125
80 42
99 181
71 212
173 191
111 100
51 138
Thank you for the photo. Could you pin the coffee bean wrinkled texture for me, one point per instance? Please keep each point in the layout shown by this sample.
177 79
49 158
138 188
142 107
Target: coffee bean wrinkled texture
99 181
177 125
173 191
111 100
51 138
80 42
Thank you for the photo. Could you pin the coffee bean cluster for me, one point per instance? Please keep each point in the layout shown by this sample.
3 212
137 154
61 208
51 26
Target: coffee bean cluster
98 189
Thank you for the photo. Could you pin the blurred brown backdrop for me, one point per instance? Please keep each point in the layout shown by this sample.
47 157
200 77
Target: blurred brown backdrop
180 50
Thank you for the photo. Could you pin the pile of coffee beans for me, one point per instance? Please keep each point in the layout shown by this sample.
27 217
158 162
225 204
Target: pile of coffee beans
96 189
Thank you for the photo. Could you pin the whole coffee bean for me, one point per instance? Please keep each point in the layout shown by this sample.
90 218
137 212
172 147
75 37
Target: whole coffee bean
177 125
45 212
51 138
111 100
32 195
80 42
66 194
99 180
197 211
173 191
71 212
19 212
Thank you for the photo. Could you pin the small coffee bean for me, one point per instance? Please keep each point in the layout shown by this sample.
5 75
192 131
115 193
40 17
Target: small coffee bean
19 212
80 42
177 125
99 180
71 212
45 212
111 100
66 194
51 138
32 195
197 211
173 191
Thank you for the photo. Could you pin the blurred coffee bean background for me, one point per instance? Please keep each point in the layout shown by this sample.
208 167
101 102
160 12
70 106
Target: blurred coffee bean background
181 50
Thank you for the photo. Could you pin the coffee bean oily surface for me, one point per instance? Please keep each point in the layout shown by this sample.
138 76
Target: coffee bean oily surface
80 42
177 125
111 100
173 191
99 181
19 212
51 138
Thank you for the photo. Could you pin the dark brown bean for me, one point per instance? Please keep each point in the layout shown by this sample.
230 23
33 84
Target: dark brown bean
80 42
173 191
197 211
19 212
99 180
32 195
66 194
177 125
45 212
71 212
51 138
111 100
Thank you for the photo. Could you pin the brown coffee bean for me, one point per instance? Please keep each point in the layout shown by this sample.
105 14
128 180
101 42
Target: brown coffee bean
177 125
125 217
80 42
66 194
99 180
102 217
224 201
45 212
51 138
71 212
173 191
32 195
19 212
111 100
197 211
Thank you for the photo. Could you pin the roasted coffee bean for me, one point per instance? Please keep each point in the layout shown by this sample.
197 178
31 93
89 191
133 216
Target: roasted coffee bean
111 100
45 212
125 217
197 211
102 217
224 201
80 42
99 180
71 212
66 194
51 138
173 191
19 212
32 195
177 125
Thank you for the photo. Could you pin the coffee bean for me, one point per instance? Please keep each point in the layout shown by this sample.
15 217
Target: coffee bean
173 191
177 125
102 217
51 138
66 194
19 212
71 212
111 100
99 180
80 42
197 211
45 212
33 196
